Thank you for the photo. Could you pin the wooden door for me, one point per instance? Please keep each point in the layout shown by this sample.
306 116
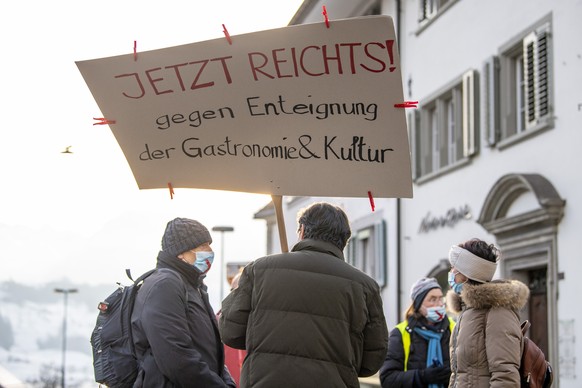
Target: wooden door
538 308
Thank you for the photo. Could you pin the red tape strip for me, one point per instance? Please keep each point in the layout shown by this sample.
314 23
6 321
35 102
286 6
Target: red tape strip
371 200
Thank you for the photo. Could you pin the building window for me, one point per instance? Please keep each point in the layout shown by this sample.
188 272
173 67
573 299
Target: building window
428 10
367 248
443 129
516 88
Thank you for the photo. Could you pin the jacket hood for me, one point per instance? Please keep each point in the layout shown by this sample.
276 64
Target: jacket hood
511 294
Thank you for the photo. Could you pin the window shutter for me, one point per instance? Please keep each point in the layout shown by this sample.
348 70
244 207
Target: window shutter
543 71
469 113
490 105
380 249
535 70
458 102
426 142
529 73
352 252
422 10
414 129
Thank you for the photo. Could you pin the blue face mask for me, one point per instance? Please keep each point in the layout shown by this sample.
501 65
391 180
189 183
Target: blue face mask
435 314
456 287
203 261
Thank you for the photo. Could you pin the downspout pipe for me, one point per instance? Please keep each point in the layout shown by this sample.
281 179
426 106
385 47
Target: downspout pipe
398 201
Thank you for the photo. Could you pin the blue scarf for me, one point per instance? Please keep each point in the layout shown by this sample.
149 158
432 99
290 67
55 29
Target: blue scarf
434 355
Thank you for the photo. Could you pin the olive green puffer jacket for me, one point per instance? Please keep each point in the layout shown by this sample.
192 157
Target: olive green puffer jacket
306 319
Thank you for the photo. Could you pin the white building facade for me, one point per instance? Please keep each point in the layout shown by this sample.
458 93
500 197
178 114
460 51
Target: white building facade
495 142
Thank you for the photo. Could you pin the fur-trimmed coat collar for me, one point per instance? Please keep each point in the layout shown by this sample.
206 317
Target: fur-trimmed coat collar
511 294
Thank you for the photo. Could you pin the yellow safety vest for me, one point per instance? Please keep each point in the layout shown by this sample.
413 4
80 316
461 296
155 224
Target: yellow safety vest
406 338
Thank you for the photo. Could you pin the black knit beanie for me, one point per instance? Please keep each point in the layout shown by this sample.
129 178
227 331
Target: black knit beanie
183 234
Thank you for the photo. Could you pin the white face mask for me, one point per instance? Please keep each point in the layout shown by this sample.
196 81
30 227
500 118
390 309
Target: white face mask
435 314
456 287
203 261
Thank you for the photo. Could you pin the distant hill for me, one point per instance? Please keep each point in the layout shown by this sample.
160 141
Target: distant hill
31 325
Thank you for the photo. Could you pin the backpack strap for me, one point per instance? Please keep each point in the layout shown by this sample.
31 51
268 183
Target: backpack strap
130 299
128 273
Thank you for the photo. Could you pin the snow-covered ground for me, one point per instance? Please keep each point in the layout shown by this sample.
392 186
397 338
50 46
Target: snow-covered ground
36 354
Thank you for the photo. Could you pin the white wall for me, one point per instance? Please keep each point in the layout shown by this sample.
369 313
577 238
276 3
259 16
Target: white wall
462 38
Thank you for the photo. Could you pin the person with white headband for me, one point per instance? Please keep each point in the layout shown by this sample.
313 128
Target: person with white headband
486 343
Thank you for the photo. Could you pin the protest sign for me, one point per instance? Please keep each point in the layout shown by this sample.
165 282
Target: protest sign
301 110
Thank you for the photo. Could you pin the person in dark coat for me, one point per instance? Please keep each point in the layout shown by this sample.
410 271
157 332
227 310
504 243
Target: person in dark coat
307 318
418 348
175 331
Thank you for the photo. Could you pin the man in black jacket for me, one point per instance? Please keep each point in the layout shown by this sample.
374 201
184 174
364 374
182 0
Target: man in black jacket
174 328
307 318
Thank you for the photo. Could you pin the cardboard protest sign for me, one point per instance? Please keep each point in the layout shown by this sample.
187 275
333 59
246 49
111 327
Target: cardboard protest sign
301 110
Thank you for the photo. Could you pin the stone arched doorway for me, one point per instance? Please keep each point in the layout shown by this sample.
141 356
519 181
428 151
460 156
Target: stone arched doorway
523 211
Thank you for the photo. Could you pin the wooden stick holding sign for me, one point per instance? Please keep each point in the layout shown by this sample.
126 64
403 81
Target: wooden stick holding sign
278 202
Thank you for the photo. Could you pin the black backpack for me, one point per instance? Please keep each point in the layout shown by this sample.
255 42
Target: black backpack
114 361
535 371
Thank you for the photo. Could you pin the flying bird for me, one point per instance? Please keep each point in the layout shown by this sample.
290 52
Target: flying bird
67 150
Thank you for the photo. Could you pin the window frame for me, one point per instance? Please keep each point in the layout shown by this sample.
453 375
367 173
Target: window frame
439 7
372 229
449 153
507 79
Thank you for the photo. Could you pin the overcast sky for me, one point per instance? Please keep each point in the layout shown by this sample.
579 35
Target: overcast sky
81 216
